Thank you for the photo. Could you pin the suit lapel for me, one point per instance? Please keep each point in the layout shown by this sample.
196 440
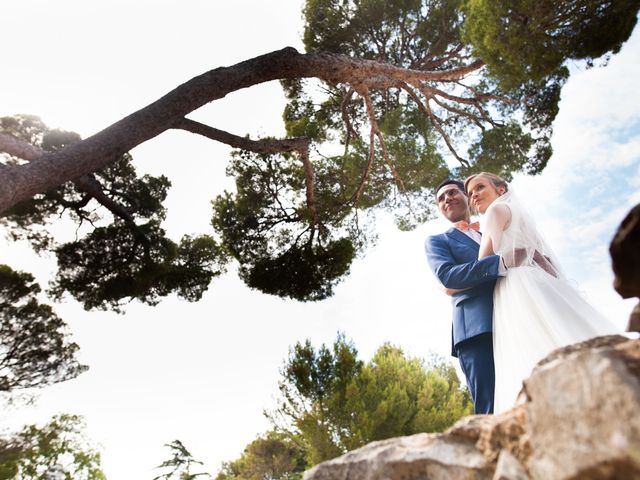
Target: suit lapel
457 235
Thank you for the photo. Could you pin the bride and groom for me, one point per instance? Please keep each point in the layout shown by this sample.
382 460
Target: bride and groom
511 303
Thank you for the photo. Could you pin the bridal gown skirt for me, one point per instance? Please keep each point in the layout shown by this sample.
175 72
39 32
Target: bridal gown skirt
533 314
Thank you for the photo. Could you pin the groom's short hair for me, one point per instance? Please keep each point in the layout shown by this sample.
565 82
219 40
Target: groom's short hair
450 181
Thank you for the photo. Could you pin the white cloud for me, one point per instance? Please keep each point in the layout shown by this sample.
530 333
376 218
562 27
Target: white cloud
604 97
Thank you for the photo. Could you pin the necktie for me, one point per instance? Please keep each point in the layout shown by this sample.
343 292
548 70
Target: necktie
464 226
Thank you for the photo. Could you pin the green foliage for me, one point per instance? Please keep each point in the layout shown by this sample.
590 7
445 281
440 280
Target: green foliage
406 33
334 402
490 154
490 122
180 464
268 227
302 273
34 348
524 43
141 196
296 221
314 389
399 31
527 40
124 261
60 445
395 395
292 249
126 254
274 456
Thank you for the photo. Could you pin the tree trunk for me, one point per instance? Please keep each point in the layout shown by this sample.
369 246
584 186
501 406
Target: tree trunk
20 182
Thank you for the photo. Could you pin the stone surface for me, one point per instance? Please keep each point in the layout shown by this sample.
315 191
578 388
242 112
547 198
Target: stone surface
436 457
509 468
583 413
577 418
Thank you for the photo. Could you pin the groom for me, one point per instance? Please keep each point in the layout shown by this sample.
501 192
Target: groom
453 258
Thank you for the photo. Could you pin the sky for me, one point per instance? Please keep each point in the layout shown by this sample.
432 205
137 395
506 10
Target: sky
204 372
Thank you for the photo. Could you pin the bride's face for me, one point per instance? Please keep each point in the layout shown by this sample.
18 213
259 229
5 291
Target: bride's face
482 193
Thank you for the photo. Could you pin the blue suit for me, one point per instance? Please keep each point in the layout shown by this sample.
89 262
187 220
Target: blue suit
453 258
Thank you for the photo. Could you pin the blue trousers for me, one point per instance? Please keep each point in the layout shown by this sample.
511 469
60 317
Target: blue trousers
476 359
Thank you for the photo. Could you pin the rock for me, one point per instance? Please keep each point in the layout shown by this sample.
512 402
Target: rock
577 418
582 413
634 319
625 259
436 457
508 433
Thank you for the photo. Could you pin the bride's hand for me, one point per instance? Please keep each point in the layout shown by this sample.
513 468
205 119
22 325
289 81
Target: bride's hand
544 262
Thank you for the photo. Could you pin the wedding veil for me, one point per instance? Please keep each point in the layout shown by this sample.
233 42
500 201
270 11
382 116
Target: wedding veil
520 244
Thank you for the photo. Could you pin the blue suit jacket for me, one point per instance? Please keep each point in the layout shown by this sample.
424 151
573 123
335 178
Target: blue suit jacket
453 257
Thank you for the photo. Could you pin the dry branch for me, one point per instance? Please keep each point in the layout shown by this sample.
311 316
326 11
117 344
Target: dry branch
375 130
437 123
346 98
298 144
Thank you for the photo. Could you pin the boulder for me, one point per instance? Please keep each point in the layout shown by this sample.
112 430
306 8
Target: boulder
625 261
420 456
582 412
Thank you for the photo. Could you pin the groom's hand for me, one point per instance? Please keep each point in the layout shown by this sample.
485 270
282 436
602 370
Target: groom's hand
453 291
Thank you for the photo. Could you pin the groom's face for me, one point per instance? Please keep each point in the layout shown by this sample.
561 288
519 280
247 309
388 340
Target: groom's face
453 203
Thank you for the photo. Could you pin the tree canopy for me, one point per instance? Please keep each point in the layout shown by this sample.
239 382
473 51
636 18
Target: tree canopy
332 402
180 464
60 446
527 40
336 402
390 98
34 346
275 455
125 253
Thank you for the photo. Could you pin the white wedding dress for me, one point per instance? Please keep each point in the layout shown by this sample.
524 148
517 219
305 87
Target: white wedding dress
536 309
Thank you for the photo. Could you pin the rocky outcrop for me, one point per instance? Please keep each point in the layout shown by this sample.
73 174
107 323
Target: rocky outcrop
625 260
577 417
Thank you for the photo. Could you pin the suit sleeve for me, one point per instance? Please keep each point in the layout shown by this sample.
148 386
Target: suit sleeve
464 275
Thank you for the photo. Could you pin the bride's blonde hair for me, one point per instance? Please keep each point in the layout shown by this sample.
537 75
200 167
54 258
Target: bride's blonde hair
494 179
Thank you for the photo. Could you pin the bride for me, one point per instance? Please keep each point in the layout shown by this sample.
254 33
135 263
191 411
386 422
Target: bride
535 310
